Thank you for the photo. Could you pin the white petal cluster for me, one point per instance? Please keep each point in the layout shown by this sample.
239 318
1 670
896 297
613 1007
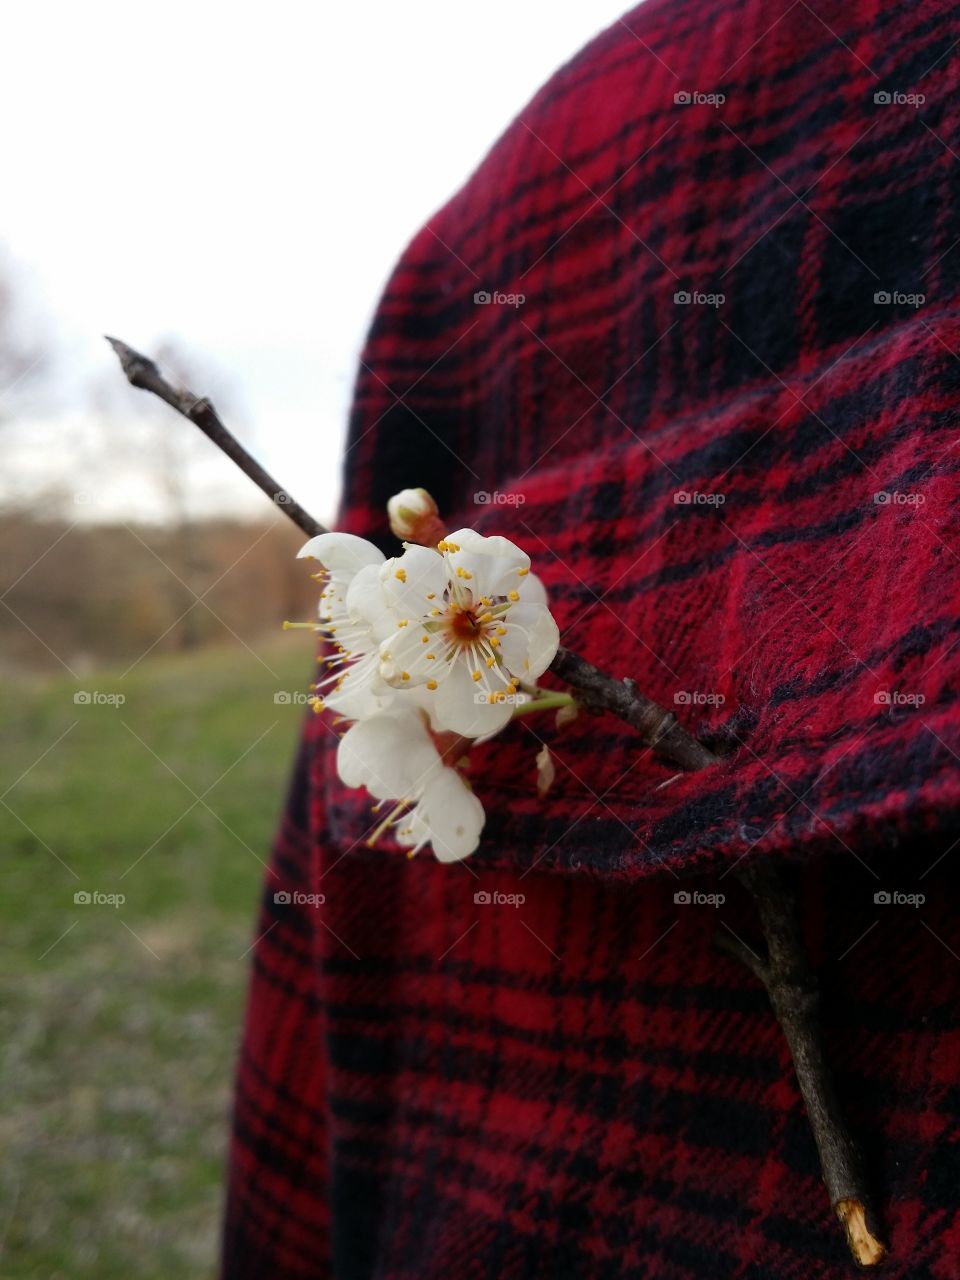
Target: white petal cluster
430 646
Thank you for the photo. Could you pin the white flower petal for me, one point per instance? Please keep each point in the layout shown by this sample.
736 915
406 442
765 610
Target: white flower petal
366 603
360 693
366 751
390 755
403 656
532 590
531 642
341 552
458 707
414 583
492 563
453 816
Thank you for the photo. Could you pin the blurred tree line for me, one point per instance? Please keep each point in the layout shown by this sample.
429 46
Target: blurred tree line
90 595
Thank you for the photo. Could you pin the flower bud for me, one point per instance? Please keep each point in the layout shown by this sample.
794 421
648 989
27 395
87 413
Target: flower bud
414 517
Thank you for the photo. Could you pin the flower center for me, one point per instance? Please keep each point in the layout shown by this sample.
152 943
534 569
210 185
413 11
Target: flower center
462 625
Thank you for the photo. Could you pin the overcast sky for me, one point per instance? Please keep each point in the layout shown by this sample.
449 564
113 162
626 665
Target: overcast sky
241 177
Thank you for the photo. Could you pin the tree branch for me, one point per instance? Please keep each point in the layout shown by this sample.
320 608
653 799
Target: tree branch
596 691
657 727
143 373
794 997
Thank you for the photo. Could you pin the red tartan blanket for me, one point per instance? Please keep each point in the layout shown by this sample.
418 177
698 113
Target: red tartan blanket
690 337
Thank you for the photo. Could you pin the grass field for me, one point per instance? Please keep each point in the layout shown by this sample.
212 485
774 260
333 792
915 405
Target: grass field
118 1023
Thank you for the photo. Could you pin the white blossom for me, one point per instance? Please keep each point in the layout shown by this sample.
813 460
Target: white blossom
426 802
471 627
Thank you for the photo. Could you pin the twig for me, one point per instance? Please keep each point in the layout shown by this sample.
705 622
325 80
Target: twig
794 997
657 728
596 690
143 373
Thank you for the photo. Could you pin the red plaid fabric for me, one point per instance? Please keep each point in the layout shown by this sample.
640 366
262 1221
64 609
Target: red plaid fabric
690 337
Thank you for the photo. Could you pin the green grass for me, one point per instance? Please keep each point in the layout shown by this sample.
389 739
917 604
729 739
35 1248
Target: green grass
118 1025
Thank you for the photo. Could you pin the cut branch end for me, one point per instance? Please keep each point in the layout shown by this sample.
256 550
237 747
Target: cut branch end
867 1250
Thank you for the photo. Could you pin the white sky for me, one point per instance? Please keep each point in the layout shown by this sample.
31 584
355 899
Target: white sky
240 177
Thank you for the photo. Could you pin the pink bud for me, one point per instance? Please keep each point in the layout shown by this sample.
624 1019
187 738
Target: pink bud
414 517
